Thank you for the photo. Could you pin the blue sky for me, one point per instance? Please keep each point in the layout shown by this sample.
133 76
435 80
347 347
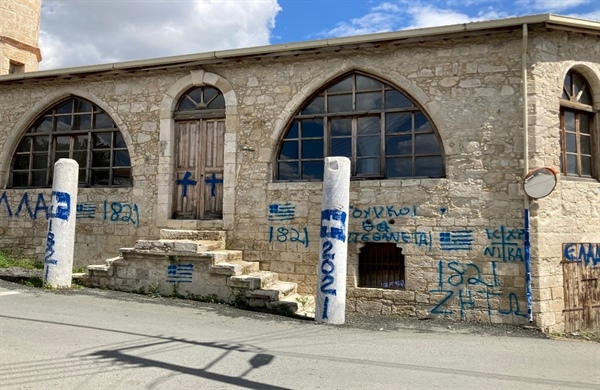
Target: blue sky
87 32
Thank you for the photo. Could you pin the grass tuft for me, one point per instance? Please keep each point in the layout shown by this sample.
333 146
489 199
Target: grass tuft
8 261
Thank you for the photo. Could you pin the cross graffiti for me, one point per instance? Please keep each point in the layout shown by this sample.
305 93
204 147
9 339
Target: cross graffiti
213 181
185 182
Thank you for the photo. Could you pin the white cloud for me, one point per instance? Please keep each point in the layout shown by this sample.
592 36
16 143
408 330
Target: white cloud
107 31
554 5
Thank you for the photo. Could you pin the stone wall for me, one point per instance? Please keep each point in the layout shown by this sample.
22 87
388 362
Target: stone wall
471 90
19 31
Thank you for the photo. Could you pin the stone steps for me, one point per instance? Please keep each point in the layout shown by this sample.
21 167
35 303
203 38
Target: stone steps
178 247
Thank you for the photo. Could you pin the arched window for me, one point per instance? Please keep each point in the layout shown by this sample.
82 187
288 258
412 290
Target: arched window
577 127
74 128
383 132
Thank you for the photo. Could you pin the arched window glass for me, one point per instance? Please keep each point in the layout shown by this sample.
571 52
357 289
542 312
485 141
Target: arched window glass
576 125
77 129
380 129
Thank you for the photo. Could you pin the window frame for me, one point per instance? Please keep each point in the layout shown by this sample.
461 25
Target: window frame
576 89
322 96
80 110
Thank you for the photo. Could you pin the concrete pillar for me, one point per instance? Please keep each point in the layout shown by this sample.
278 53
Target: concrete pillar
333 249
60 242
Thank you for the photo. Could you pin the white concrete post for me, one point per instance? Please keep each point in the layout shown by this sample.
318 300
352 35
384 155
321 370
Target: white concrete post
333 250
60 241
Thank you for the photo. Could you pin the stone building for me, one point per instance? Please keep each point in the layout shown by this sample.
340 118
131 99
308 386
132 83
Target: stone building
441 125
19 31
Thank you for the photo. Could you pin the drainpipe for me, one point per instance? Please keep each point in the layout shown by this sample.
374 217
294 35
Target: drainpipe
526 241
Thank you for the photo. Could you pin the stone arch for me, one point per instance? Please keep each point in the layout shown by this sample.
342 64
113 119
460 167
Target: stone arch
591 76
165 184
41 106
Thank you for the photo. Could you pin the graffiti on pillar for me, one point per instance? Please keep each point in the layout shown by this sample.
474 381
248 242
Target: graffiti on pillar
333 227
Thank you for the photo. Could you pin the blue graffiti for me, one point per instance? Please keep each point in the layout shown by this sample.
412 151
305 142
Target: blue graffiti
111 211
333 224
382 212
283 234
62 201
505 244
282 212
123 212
586 253
464 281
456 240
180 273
185 182
213 181
420 239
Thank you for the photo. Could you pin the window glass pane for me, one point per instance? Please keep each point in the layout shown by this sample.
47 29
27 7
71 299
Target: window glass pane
398 145
312 149
81 158
399 167
367 166
428 167
316 106
121 159
217 103
65 108
82 176
312 170
364 83
100 178
38 178
569 121
342 86
312 128
339 103
568 85
584 124
341 147
571 164
59 155
340 127
103 121
396 99
288 171
82 122
24 145
369 125
368 101
421 122
571 143
426 144
101 159
62 143
118 141
586 96
186 104
63 123
367 146
293 132
101 140
210 94
289 150
20 179
122 176
195 96
40 160
22 162
585 144
398 123
80 142
82 106
586 166
40 143
45 126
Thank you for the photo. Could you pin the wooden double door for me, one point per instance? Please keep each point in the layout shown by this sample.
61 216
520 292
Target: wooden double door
199 169
581 294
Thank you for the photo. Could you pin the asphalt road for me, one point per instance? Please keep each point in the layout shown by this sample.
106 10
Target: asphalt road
107 340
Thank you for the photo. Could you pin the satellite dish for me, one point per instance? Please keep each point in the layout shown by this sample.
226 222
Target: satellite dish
539 182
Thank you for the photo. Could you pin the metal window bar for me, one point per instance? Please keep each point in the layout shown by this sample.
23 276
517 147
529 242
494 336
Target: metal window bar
381 265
